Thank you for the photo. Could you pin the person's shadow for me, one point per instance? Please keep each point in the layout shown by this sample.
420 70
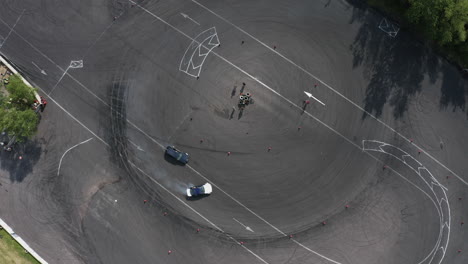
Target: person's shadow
232 113
233 91
241 112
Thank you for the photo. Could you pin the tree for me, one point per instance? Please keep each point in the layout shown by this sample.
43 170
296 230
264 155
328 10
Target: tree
444 21
20 93
20 123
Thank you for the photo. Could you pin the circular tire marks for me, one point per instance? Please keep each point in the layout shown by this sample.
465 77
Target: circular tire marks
429 186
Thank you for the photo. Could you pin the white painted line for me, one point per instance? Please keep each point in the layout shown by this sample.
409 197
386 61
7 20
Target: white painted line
76 119
138 147
76 64
41 70
189 18
314 252
60 163
196 212
12 28
61 77
32 46
97 39
246 227
178 126
332 89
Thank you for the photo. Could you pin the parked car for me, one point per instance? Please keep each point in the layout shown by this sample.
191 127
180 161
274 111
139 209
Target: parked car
177 154
199 190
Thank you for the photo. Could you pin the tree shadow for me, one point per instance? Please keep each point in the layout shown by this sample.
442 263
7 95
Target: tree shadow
394 66
19 169
454 90
196 198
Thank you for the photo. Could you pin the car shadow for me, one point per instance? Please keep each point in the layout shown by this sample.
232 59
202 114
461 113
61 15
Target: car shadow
196 198
172 160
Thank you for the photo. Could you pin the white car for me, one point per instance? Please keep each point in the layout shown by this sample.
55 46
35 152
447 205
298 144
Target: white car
199 190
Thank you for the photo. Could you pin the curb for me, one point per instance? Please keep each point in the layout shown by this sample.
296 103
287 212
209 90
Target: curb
21 242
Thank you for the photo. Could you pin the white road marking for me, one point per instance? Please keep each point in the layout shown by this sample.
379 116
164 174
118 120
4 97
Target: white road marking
76 64
41 70
246 227
444 220
60 163
57 83
138 147
332 89
12 29
311 96
187 64
189 18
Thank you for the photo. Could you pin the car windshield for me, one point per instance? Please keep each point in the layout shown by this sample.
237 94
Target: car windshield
180 156
197 190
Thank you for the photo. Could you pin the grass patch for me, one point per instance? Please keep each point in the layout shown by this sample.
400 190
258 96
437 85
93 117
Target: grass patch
12 252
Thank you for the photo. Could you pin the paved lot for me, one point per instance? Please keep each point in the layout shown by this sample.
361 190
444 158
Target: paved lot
321 194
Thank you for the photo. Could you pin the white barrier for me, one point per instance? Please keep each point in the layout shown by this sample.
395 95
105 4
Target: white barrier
21 242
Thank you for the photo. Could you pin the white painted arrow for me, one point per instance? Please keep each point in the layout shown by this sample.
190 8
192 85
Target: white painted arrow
42 71
138 147
311 96
189 18
246 227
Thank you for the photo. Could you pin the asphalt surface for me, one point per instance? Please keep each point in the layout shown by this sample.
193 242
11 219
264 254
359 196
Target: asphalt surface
376 175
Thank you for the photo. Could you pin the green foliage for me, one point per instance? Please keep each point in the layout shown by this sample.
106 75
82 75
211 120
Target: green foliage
16 114
442 20
3 100
20 93
21 123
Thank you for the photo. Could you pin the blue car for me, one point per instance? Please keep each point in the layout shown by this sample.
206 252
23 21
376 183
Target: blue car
177 154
